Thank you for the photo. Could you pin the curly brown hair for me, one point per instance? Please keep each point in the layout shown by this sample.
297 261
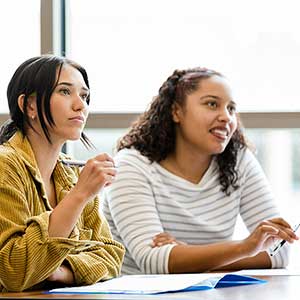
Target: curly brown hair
154 134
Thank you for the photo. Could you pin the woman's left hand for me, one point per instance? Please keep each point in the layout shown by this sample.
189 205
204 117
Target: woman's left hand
165 238
62 274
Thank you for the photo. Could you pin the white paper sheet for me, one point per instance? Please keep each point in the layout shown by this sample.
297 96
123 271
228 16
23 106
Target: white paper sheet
143 284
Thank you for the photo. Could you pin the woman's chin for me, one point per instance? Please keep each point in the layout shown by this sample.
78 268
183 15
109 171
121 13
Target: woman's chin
74 137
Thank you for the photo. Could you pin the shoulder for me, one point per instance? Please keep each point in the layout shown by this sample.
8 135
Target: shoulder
248 166
132 157
130 162
246 157
8 156
11 163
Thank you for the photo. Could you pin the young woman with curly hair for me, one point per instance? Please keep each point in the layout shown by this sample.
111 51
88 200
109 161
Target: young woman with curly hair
185 174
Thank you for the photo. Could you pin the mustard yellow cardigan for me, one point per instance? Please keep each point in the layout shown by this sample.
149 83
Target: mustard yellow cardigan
27 254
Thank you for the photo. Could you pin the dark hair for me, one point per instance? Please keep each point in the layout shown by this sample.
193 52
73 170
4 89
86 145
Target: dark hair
154 135
38 76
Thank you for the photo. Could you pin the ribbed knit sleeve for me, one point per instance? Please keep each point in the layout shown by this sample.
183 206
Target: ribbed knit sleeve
28 255
99 262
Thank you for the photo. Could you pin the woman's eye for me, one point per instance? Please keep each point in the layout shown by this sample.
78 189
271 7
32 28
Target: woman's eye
232 109
84 97
64 91
212 104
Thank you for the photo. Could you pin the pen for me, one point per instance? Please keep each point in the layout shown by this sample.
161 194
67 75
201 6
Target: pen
278 245
73 163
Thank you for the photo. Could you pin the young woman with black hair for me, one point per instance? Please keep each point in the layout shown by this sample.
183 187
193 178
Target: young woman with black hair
185 173
50 227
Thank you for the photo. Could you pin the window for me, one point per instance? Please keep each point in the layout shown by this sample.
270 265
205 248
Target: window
20 36
130 47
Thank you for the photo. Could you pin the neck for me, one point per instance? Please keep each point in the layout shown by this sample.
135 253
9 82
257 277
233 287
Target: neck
46 154
187 164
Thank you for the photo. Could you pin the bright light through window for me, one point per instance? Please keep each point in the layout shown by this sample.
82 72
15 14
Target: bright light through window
20 39
130 47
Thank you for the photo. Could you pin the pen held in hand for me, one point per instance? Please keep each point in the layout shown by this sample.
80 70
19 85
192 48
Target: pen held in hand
73 163
279 244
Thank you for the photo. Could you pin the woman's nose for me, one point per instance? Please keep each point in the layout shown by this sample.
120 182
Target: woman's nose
79 103
225 115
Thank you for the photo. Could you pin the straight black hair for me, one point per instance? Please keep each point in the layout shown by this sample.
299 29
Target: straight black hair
36 76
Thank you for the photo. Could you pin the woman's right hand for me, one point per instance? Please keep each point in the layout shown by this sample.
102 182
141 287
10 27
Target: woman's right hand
62 274
164 238
98 172
266 233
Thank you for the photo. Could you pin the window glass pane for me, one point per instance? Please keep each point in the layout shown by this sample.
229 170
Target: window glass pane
277 151
20 39
104 140
130 47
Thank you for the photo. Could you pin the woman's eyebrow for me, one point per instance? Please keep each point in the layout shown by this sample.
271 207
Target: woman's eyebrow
210 96
217 98
65 83
71 84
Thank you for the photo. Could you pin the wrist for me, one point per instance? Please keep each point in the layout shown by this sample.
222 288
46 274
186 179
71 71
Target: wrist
247 248
78 196
70 278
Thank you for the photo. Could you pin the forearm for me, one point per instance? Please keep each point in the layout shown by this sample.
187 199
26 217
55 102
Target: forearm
30 258
91 267
98 172
260 261
65 215
202 258
101 261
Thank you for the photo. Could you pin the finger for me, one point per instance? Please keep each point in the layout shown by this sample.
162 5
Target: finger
109 171
162 234
284 228
101 166
164 240
162 243
291 233
108 179
265 229
281 222
287 235
103 157
162 237
106 164
274 231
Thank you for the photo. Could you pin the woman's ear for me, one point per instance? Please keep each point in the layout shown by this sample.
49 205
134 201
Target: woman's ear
31 106
176 112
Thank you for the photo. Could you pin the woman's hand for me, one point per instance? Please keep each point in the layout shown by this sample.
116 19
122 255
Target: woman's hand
98 172
266 233
164 238
63 274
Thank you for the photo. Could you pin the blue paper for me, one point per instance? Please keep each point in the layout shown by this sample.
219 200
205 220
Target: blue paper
226 281
234 280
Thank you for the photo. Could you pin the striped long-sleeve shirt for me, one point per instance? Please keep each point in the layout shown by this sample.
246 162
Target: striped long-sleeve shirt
146 199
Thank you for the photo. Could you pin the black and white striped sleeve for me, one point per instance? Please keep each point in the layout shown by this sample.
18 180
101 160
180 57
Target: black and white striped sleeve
257 202
132 206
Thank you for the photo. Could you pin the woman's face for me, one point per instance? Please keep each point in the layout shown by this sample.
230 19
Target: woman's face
68 106
207 119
